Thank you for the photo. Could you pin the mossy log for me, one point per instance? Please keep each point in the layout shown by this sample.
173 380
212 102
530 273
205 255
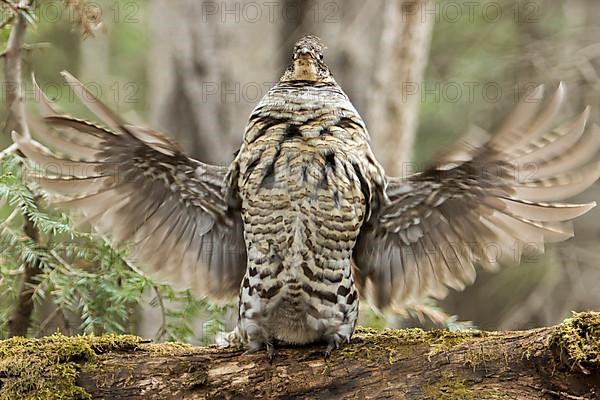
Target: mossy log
561 362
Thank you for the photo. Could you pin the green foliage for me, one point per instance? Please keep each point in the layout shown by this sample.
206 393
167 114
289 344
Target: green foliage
86 278
176 324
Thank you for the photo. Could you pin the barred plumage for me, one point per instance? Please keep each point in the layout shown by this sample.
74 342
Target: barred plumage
303 177
304 220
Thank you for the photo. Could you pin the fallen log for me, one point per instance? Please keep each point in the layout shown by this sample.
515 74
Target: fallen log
561 362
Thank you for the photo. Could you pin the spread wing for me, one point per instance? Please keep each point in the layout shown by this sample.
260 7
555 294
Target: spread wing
492 206
138 186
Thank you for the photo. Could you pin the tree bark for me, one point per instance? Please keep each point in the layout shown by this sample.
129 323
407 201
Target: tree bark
396 93
186 78
561 362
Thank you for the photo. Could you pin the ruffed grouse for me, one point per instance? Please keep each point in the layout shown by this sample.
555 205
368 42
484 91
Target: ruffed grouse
305 221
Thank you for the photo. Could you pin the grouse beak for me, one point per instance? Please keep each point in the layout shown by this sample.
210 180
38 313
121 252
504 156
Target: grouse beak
305 65
303 53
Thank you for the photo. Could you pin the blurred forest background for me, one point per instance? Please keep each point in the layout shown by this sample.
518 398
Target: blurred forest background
421 73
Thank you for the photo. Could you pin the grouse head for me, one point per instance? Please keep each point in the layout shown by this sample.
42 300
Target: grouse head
307 62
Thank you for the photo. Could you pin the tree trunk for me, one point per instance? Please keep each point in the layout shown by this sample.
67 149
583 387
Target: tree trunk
186 78
396 93
561 362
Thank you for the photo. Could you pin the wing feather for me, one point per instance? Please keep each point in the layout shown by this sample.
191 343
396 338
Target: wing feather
137 185
482 210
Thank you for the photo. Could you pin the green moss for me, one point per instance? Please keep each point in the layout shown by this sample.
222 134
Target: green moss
370 343
168 348
577 341
449 388
442 341
480 355
39 369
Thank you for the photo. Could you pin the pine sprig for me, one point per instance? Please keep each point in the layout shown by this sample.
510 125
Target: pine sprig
85 278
